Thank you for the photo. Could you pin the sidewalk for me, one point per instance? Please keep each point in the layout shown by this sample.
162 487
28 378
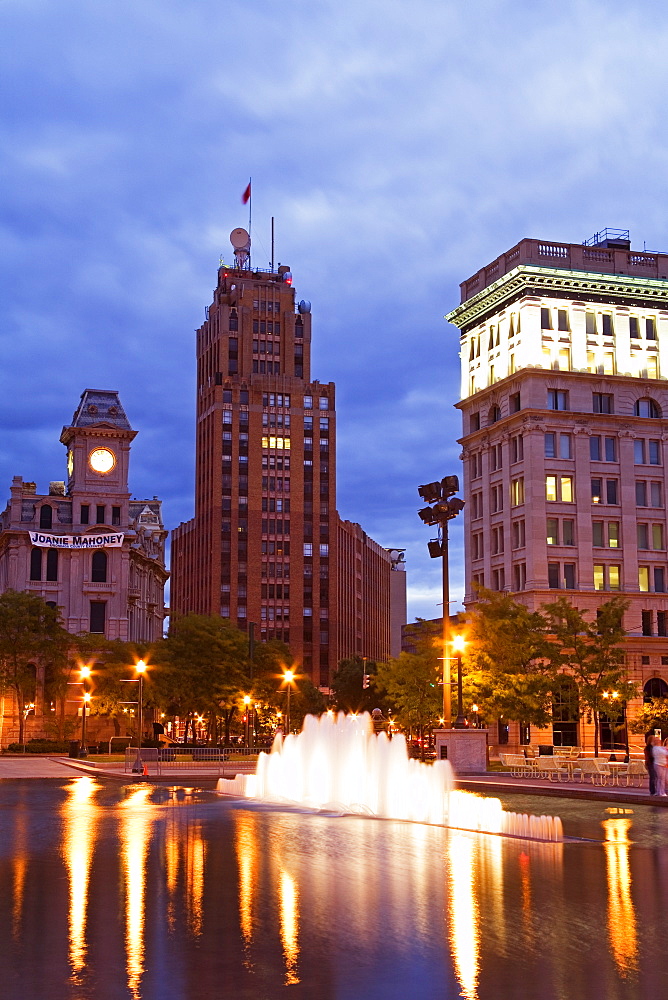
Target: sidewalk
499 783
34 766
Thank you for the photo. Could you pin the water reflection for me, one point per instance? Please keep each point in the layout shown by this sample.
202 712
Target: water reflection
19 870
289 924
464 915
213 897
621 913
247 865
79 830
135 834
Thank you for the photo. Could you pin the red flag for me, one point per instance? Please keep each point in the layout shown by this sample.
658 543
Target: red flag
245 198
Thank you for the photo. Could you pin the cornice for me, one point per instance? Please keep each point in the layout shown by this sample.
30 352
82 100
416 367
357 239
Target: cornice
527 279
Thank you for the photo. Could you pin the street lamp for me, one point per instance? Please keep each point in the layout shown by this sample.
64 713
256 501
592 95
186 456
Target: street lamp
444 507
458 644
140 667
289 679
247 702
85 674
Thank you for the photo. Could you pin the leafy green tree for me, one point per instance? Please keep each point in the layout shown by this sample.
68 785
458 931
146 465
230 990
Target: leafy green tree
31 633
203 665
306 699
591 653
411 683
507 674
652 715
347 684
270 660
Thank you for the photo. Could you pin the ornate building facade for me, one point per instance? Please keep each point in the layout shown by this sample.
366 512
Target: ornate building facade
564 402
86 546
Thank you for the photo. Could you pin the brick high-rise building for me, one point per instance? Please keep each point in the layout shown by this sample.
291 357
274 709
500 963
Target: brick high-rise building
564 359
264 544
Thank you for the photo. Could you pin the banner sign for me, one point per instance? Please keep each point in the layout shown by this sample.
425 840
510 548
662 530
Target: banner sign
46 541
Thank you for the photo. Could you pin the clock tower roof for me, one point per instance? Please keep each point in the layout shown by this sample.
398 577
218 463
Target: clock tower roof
100 407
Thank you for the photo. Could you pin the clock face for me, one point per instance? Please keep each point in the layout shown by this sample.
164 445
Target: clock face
70 462
102 460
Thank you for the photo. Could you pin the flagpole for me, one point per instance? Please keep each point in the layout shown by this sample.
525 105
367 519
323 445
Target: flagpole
250 204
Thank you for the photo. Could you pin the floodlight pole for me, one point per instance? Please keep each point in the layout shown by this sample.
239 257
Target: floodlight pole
447 690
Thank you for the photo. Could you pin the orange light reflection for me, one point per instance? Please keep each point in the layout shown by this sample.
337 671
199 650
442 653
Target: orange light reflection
464 912
622 929
289 918
80 823
135 837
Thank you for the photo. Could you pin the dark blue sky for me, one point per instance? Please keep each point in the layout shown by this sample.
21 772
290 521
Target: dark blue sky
398 146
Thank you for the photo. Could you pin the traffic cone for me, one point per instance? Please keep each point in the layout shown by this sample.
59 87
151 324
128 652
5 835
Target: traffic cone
145 771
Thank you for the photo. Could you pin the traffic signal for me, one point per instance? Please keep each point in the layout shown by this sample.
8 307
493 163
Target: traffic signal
365 680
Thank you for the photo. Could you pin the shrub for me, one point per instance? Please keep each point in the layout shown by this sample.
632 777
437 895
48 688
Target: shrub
39 746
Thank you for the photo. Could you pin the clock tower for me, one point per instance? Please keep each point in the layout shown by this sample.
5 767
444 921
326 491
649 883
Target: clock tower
98 449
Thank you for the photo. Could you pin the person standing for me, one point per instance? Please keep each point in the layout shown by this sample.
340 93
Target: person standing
649 763
660 753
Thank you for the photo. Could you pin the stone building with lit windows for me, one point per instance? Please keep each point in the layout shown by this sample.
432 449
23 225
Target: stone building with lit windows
87 547
564 402
266 545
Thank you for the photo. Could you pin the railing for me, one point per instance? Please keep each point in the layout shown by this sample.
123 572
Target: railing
169 759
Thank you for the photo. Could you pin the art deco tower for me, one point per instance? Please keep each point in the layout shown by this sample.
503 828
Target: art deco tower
264 541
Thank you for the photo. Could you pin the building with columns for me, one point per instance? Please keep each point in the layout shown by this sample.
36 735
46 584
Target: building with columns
564 403
266 545
86 546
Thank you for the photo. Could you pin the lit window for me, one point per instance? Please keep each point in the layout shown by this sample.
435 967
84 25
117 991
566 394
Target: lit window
643 579
517 491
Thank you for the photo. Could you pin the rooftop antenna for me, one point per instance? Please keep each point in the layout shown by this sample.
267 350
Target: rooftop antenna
272 244
241 244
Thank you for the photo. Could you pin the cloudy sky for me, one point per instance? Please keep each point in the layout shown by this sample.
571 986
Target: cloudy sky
399 146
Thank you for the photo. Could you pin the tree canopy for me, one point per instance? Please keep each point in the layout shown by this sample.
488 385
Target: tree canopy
30 633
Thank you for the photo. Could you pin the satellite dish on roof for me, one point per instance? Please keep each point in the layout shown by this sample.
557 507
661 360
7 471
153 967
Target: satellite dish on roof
240 239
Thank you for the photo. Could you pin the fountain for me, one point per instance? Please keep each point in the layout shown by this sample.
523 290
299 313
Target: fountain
340 765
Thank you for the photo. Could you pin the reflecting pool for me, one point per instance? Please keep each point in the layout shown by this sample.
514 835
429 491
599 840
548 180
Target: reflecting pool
170 894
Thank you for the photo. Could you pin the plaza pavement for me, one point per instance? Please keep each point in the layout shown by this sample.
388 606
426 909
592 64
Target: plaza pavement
492 783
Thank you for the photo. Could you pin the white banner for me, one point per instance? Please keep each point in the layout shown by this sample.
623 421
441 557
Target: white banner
48 541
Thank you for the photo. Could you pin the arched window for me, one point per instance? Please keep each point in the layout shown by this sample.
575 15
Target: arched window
99 567
36 564
52 565
655 687
46 516
647 408
565 712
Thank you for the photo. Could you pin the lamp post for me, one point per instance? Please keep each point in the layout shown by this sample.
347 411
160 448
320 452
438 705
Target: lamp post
288 678
85 674
247 702
444 507
458 644
140 667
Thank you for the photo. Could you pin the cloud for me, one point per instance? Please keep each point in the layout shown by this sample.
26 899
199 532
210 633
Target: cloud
398 147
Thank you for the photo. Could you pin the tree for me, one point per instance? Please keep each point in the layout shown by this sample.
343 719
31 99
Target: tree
347 684
653 715
507 673
30 634
591 653
411 682
203 668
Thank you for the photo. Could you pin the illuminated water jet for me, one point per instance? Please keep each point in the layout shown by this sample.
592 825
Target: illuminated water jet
340 765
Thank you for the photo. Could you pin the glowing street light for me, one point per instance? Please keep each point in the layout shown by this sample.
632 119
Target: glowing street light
459 644
84 673
289 679
247 701
140 667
